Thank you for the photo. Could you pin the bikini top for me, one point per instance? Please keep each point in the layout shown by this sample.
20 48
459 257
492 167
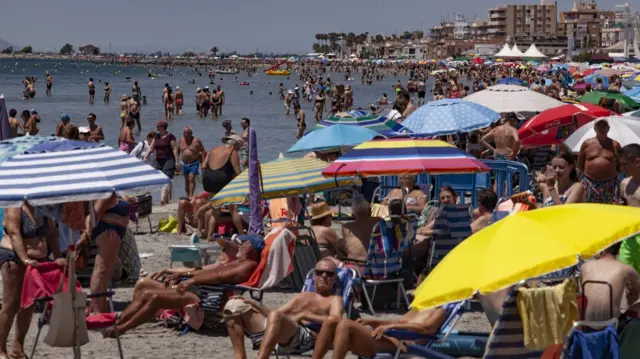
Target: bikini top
29 228
121 209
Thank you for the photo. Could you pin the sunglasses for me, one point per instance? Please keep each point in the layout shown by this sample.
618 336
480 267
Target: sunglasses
320 272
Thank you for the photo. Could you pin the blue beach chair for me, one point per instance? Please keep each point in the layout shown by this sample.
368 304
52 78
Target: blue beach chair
451 227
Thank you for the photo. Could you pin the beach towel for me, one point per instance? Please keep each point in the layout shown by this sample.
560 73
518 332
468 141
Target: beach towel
192 314
547 313
42 281
521 202
284 211
390 238
276 260
384 255
602 344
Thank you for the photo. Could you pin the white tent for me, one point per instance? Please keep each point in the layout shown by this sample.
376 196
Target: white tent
505 52
533 52
516 51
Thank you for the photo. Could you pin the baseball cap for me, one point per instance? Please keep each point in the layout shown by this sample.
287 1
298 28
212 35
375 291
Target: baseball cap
65 117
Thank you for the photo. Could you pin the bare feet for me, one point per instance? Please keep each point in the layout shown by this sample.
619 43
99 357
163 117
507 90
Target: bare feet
16 355
110 332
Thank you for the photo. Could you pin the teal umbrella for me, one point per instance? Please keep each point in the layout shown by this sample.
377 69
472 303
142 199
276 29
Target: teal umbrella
335 136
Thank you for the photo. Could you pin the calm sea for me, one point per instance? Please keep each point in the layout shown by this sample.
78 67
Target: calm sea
276 132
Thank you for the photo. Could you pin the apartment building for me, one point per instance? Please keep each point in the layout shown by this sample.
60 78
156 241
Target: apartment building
584 23
524 20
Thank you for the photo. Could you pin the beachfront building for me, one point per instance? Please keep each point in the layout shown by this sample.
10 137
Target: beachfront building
89 50
584 23
524 20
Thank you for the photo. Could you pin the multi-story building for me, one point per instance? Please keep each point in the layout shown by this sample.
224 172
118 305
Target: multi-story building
462 28
584 23
524 20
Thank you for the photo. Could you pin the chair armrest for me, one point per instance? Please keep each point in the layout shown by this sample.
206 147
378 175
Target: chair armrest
408 335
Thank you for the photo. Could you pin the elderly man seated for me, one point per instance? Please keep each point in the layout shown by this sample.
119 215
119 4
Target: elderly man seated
180 288
356 235
284 328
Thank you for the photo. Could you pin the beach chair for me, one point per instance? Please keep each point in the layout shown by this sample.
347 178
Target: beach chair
347 280
142 209
592 339
389 238
445 344
44 306
451 227
305 256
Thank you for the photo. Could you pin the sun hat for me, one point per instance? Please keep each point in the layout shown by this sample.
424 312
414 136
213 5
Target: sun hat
236 307
320 210
235 138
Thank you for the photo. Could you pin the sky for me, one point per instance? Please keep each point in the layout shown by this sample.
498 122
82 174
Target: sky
241 25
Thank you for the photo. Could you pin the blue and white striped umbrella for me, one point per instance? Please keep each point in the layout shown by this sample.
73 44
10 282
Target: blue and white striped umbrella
58 171
449 116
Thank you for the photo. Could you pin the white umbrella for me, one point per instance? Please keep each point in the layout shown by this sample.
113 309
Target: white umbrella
625 130
513 98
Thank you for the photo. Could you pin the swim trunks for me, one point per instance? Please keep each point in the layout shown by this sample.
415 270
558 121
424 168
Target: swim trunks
191 168
606 192
421 94
303 341
501 157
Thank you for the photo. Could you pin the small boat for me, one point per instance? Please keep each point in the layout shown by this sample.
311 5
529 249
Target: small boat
244 84
278 72
227 72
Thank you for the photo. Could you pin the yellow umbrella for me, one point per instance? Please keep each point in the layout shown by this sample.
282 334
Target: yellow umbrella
525 245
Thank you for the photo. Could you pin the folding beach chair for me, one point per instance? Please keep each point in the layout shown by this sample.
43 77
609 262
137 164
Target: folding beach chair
347 280
451 227
454 312
389 239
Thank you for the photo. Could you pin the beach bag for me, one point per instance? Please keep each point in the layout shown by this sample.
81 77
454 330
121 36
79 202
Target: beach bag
68 325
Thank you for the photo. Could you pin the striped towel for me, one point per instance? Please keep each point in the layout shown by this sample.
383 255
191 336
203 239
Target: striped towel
388 242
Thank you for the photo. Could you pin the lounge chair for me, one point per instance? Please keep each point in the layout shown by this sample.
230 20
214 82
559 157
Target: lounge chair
348 279
445 344
600 341
451 226
384 258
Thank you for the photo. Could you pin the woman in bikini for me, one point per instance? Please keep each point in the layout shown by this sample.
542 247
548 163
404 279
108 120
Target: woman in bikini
126 142
27 240
168 104
415 198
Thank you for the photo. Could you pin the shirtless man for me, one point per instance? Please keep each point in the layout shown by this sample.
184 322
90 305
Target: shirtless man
95 131
506 139
92 90
201 98
192 151
405 104
179 101
49 83
107 92
487 201
228 130
124 106
14 123
283 328
134 111
245 123
30 126
221 98
149 296
422 90
365 337
187 209
321 219
64 121
598 163
356 235
302 125
623 278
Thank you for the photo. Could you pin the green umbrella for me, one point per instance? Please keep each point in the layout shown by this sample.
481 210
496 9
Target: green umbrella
595 96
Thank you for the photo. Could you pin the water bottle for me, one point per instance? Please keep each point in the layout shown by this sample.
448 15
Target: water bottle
195 238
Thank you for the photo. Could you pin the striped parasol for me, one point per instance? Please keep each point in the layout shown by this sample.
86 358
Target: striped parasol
377 123
54 170
282 177
400 155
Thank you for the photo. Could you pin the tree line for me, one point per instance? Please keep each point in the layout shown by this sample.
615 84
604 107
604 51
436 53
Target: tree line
332 41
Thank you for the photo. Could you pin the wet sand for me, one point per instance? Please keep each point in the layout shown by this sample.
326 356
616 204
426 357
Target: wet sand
155 341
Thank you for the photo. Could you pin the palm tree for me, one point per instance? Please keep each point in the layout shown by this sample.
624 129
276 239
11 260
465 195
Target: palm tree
214 50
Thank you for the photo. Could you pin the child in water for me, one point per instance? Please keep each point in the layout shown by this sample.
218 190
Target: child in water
144 100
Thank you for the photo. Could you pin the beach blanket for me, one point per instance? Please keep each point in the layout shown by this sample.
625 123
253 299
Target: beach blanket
42 281
276 260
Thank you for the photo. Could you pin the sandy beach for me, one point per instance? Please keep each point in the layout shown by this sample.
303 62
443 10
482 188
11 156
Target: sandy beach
155 341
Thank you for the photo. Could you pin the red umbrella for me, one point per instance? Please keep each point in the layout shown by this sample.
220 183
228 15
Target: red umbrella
554 125
478 61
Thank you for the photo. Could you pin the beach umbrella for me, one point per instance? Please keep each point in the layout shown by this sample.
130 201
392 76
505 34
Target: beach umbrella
449 116
404 155
510 81
511 98
592 79
608 72
49 170
377 123
631 84
632 113
283 177
595 96
255 225
5 129
333 137
554 125
634 93
625 130
351 114
525 245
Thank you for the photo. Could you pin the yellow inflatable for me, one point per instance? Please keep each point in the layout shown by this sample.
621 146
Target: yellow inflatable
278 72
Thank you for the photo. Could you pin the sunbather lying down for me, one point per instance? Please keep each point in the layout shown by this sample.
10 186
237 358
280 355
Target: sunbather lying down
179 288
365 337
284 327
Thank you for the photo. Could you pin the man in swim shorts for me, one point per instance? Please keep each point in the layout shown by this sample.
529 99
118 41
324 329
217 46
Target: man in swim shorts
598 163
192 153
92 90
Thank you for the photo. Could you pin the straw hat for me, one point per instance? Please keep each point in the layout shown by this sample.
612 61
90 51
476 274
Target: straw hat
320 210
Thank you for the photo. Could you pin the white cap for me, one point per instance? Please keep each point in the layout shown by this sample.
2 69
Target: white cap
84 130
177 87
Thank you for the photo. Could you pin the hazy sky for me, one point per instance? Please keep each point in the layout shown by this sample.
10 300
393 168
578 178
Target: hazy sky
241 25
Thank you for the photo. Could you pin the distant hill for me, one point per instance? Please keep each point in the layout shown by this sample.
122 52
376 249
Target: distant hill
4 44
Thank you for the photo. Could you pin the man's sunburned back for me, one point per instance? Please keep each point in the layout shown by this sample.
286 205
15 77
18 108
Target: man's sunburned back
356 236
600 159
505 137
606 270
